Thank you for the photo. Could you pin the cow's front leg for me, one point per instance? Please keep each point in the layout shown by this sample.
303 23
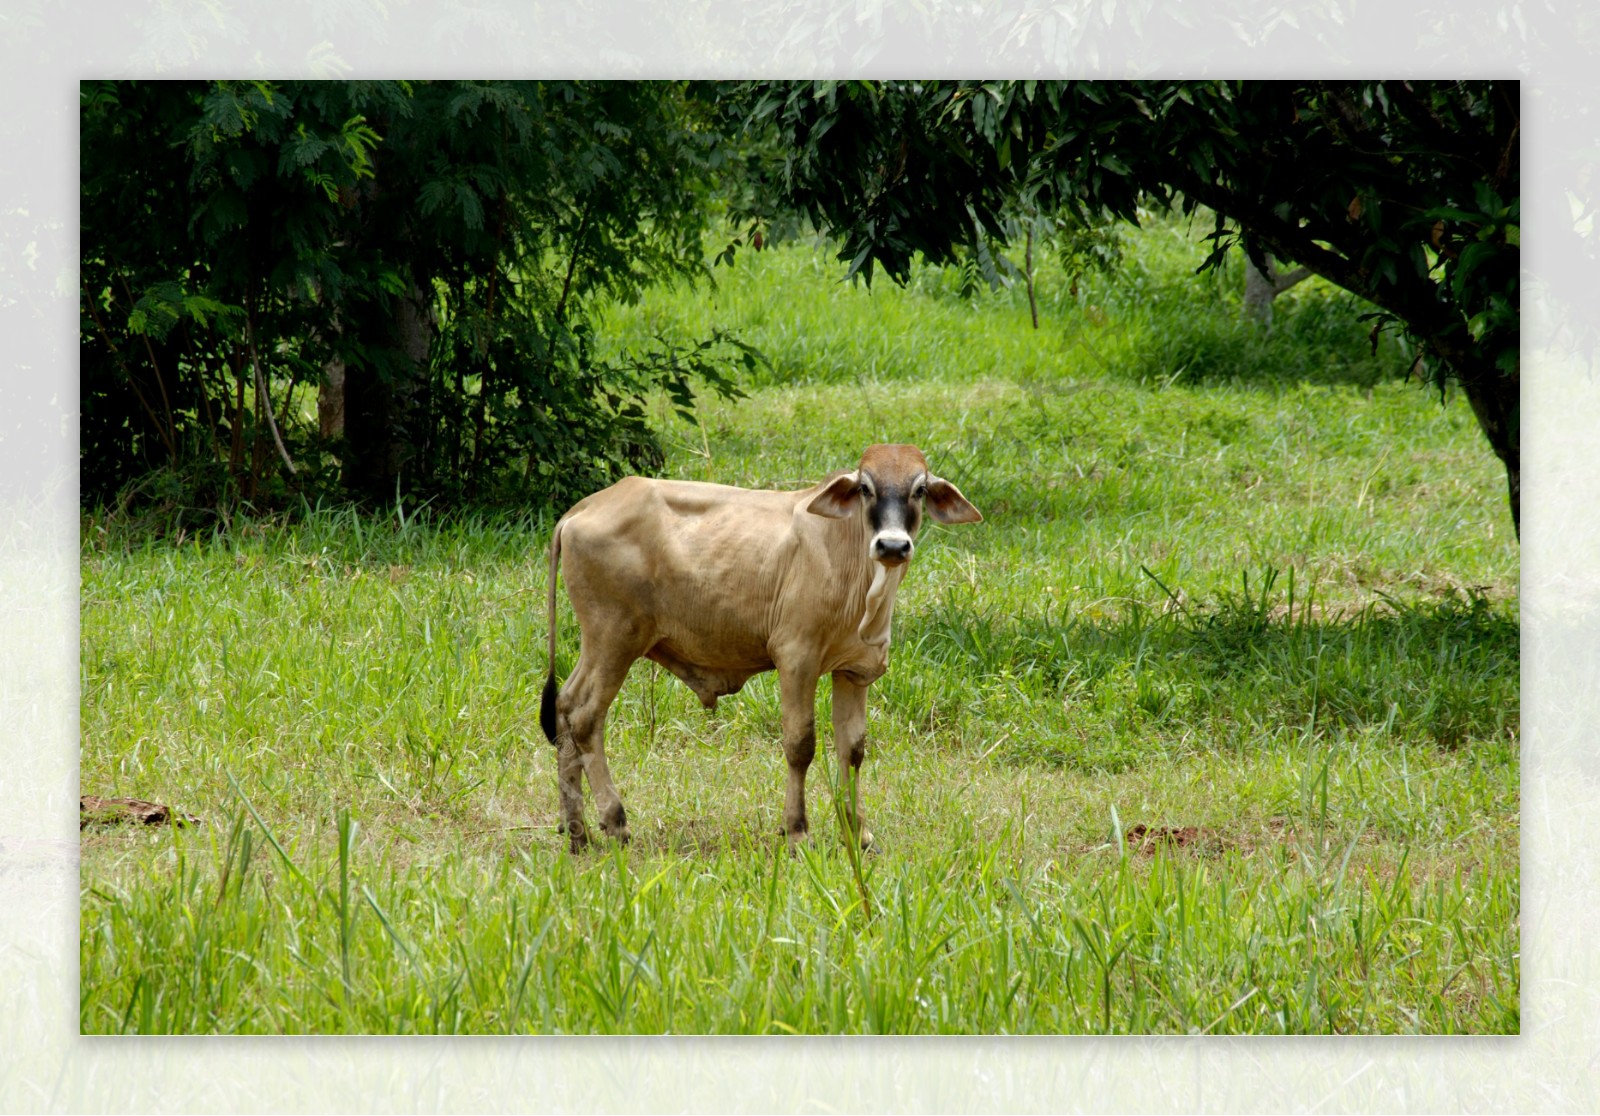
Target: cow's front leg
850 743
799 689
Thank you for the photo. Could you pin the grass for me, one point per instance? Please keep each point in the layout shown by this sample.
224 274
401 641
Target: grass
1249 588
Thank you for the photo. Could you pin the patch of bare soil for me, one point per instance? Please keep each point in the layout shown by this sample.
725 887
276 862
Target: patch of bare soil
96 811
1205 841
1145 839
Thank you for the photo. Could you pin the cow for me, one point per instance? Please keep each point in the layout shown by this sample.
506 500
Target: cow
718 584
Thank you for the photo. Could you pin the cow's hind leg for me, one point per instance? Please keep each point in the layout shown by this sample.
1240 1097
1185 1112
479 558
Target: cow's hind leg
569 784
850 744
581 712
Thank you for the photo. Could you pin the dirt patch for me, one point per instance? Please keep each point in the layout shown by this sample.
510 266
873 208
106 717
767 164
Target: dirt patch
97 811
1145 839
1274 835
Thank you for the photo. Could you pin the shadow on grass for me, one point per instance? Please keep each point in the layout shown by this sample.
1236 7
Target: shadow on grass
1315 339
1099 694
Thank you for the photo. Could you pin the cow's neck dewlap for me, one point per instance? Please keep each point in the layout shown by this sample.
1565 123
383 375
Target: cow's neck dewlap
874 629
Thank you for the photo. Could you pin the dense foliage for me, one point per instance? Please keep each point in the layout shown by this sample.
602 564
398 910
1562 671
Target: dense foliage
427 256
1404 193
421 255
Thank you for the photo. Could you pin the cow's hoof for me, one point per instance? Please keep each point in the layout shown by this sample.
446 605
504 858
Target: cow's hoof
615 824
866 839
797 837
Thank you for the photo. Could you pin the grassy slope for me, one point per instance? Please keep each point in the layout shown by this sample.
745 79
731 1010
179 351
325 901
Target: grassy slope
1318 670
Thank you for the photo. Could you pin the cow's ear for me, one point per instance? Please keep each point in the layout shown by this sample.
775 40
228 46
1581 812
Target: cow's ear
837 498
947 505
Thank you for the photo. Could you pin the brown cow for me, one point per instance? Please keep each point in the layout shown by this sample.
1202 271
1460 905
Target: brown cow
718 584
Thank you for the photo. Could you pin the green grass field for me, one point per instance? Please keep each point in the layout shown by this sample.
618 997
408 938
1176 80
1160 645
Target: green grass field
1253 594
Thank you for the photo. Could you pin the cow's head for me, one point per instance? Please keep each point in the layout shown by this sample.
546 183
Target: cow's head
890 489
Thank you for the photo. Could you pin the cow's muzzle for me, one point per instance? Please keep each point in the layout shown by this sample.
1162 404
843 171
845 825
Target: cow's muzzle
892 549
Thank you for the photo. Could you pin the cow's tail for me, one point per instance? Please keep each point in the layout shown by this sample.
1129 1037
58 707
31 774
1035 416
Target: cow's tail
547 703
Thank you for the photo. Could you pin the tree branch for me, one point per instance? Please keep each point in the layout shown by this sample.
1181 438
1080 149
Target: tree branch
572 264
168 436
265 400
1281 283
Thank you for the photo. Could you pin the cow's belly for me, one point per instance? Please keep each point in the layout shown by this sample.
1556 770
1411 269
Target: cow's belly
715 676
709 676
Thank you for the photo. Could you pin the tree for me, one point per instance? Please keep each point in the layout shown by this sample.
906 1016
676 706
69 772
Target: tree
1263 284
196 246
1404 193
423 255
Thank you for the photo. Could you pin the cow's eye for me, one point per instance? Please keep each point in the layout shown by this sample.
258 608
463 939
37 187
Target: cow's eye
919 491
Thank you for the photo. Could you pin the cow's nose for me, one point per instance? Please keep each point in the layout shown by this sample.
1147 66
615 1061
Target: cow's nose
891 549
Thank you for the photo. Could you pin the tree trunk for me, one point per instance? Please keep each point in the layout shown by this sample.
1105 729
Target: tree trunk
330 400
414 326
380 395
1261 287
1258 292
1495 398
